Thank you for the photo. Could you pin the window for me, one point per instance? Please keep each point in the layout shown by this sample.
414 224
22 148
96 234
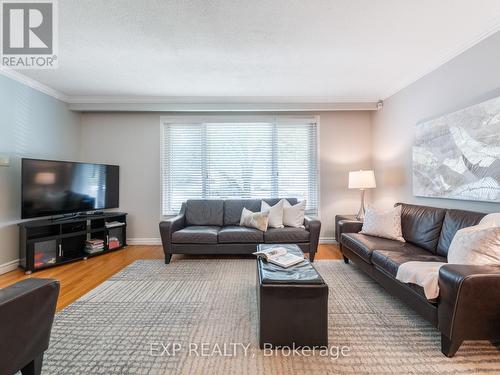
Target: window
239 159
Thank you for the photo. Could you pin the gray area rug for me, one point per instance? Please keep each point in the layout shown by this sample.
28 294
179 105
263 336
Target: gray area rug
130 324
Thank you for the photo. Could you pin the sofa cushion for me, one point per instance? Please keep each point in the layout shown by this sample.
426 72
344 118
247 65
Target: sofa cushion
204 212
236 234
389 260
196 234
421 225
233 207
286 235
363 245
455 220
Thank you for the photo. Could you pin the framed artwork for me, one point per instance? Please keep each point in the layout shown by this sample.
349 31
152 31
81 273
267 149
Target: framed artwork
457 156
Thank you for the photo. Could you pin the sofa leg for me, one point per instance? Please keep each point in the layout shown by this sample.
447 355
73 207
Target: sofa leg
449 347
346 259
311 256
168 257
34 367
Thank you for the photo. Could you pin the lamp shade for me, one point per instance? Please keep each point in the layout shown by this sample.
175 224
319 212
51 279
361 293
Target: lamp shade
362 180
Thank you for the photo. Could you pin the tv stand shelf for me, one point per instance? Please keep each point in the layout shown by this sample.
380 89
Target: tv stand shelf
50 242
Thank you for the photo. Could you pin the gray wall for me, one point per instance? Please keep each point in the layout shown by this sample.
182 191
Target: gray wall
132 140
36 125
468 79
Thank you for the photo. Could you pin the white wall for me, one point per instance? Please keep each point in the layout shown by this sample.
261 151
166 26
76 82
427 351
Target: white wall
470 78
35 125
132 140
345 145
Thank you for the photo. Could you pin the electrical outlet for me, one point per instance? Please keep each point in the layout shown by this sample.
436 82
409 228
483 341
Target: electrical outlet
4 160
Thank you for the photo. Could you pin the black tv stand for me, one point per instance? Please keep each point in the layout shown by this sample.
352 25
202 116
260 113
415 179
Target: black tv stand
50 242
90 213
77 215
63 218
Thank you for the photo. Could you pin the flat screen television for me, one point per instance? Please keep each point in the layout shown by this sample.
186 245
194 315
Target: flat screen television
52 188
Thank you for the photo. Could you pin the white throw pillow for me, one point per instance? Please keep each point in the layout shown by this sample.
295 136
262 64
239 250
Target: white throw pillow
493 219
478 245
257 220
275 214
293 216
385 224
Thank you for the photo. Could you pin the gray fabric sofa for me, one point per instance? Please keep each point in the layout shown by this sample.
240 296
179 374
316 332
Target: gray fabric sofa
211 226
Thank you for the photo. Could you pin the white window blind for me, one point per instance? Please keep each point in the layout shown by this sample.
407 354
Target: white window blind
239 160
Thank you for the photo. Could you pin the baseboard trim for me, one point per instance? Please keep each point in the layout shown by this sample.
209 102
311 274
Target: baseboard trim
157 241
9 266
143 241
327 240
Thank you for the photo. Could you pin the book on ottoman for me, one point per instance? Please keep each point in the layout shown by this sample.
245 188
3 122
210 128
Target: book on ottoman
280 256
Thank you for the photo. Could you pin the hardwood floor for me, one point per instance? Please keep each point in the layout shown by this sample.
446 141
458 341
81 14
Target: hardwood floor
328 251
80 277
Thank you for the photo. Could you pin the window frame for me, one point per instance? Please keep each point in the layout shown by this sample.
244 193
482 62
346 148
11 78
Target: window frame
200 119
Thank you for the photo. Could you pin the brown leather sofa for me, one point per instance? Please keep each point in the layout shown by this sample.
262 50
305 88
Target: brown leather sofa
211 226
468 307
27 311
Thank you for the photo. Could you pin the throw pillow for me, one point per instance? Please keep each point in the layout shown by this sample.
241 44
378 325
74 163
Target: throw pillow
478 245
293 216
257 220
491 219
385 224
275 214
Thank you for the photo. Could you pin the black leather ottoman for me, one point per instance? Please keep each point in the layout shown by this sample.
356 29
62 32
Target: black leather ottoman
292 303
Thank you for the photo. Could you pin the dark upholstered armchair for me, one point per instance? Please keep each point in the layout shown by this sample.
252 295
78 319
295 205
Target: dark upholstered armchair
27 311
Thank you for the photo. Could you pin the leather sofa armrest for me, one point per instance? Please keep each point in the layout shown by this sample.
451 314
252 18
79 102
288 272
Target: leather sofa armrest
346 226
313 226
168 227
469 302
311 220
350 226
172 224
27 311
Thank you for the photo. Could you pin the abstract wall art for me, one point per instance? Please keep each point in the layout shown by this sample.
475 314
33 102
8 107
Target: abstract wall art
457 156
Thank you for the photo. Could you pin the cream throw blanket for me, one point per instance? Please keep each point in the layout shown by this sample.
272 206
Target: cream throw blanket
478 245
425 274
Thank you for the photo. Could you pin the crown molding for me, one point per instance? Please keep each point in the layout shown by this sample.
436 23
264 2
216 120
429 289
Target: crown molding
218 104
444 60
194 103
134 106
34 84
213 99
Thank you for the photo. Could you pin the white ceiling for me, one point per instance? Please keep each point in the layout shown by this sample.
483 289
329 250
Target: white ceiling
333 50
